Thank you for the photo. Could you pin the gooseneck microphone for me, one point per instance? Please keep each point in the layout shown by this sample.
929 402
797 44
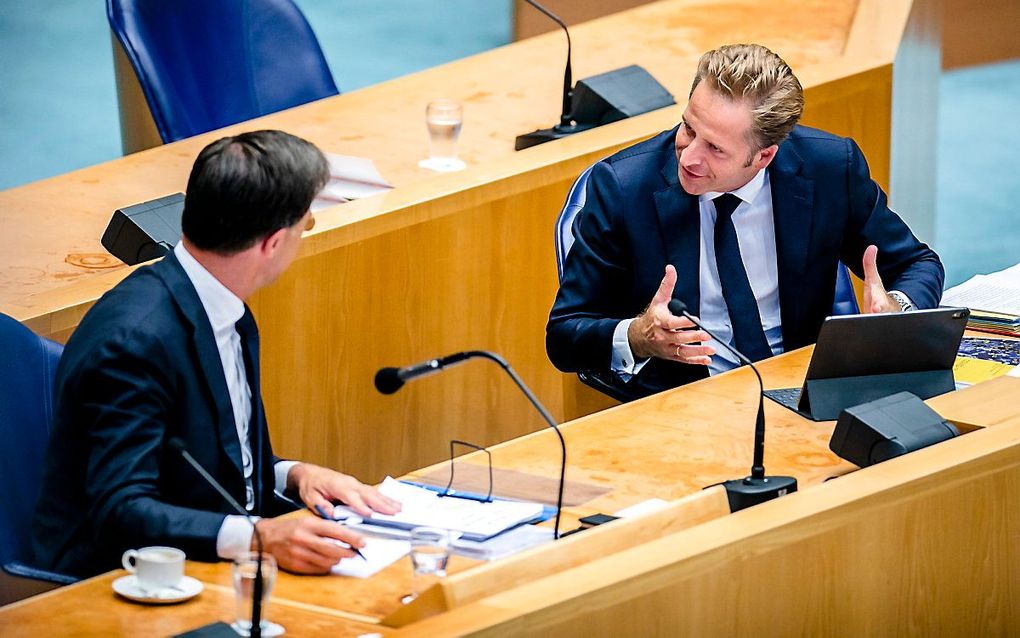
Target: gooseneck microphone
597 100
178 445
567 126
755 488
568 82
389 380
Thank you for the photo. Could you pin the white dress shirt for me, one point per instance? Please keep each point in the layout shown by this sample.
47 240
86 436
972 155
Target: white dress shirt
224 310
756 236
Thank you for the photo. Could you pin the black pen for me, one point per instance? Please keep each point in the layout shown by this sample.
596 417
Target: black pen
322 514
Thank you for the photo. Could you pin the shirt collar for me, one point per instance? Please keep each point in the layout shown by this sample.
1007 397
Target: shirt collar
223 307
745 193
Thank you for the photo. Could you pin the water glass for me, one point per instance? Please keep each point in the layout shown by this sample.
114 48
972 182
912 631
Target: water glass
430 552
245 566
443 118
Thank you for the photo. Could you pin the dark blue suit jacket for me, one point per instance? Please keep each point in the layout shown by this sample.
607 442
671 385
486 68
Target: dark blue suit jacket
143 367
637 218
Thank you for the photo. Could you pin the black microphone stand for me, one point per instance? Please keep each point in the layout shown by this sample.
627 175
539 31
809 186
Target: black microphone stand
756 487
567 126
258 584
389 380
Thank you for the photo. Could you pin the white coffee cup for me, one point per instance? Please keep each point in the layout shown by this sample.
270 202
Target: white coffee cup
155 567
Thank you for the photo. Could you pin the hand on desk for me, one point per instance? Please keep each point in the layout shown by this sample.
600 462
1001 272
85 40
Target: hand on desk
876 299
320 486
308 544
659 333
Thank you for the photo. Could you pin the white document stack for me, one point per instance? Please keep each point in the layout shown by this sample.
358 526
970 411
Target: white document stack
420 507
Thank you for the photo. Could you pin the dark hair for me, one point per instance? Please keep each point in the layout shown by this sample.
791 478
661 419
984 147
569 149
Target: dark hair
248 186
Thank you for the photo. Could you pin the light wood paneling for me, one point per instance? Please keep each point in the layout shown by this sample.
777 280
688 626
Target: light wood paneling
980 32
921 545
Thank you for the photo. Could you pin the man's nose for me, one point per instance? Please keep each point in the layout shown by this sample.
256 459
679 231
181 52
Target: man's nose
690 155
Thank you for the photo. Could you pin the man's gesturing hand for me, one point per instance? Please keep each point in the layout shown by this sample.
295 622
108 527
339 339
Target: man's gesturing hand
876 299
658 333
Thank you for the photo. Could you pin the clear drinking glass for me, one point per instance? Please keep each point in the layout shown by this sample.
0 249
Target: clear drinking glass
244 569
430 552
443 119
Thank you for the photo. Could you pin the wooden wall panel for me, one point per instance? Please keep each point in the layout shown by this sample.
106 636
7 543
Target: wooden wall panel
482 278
980 32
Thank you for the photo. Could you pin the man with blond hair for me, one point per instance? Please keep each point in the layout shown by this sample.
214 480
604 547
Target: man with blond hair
743 215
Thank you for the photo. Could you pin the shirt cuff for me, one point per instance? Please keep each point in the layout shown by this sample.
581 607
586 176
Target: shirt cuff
903 300
280 472
623 361
234 537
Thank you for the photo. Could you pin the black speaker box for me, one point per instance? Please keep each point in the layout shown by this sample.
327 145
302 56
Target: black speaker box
145 231
879 430
616 95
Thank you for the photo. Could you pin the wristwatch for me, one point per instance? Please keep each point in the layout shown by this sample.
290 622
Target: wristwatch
903 300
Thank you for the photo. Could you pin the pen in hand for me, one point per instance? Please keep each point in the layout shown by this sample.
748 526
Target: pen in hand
322 514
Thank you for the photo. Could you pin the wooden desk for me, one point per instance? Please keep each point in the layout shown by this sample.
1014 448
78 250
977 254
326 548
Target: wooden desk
447 262
90 608
876 548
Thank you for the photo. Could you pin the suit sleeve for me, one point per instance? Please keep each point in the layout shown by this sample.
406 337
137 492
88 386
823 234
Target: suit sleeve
904 263
125 402
590 301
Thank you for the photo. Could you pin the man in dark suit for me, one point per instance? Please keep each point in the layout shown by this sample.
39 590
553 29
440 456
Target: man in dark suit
173 351
742 215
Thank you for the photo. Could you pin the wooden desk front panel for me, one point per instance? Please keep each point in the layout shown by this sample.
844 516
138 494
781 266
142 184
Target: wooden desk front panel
921 545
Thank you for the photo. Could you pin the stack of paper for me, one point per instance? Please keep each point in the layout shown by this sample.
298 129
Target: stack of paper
420 507
994 301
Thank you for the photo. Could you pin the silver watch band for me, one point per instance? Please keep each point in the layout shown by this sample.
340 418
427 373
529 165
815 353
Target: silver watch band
902 300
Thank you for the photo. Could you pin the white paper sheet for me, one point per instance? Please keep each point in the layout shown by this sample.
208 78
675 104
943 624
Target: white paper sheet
379 553
350 177
998 292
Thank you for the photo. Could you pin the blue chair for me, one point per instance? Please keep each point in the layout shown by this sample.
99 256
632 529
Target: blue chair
206 64
844 302
27 368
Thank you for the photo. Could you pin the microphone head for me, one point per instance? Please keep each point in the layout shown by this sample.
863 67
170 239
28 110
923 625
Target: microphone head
677 307
388 381
176 444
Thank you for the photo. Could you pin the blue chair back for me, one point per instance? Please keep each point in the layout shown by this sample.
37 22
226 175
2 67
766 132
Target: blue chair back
206 64
844 302
28 364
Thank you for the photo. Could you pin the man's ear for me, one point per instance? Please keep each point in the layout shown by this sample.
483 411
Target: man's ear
272 242
765 156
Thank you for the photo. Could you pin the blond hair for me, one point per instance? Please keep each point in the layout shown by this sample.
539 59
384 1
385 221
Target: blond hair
753 74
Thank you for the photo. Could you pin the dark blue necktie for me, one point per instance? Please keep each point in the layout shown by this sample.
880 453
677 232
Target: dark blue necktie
743 309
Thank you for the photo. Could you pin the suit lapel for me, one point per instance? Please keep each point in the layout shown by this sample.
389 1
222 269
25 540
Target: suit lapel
183 292
792 212
680 228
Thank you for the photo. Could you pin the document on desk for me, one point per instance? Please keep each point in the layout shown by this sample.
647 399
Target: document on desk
350 177
425 508
378 552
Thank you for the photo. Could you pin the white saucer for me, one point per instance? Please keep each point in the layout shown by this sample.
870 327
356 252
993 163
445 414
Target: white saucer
127 586
269 629
444 165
